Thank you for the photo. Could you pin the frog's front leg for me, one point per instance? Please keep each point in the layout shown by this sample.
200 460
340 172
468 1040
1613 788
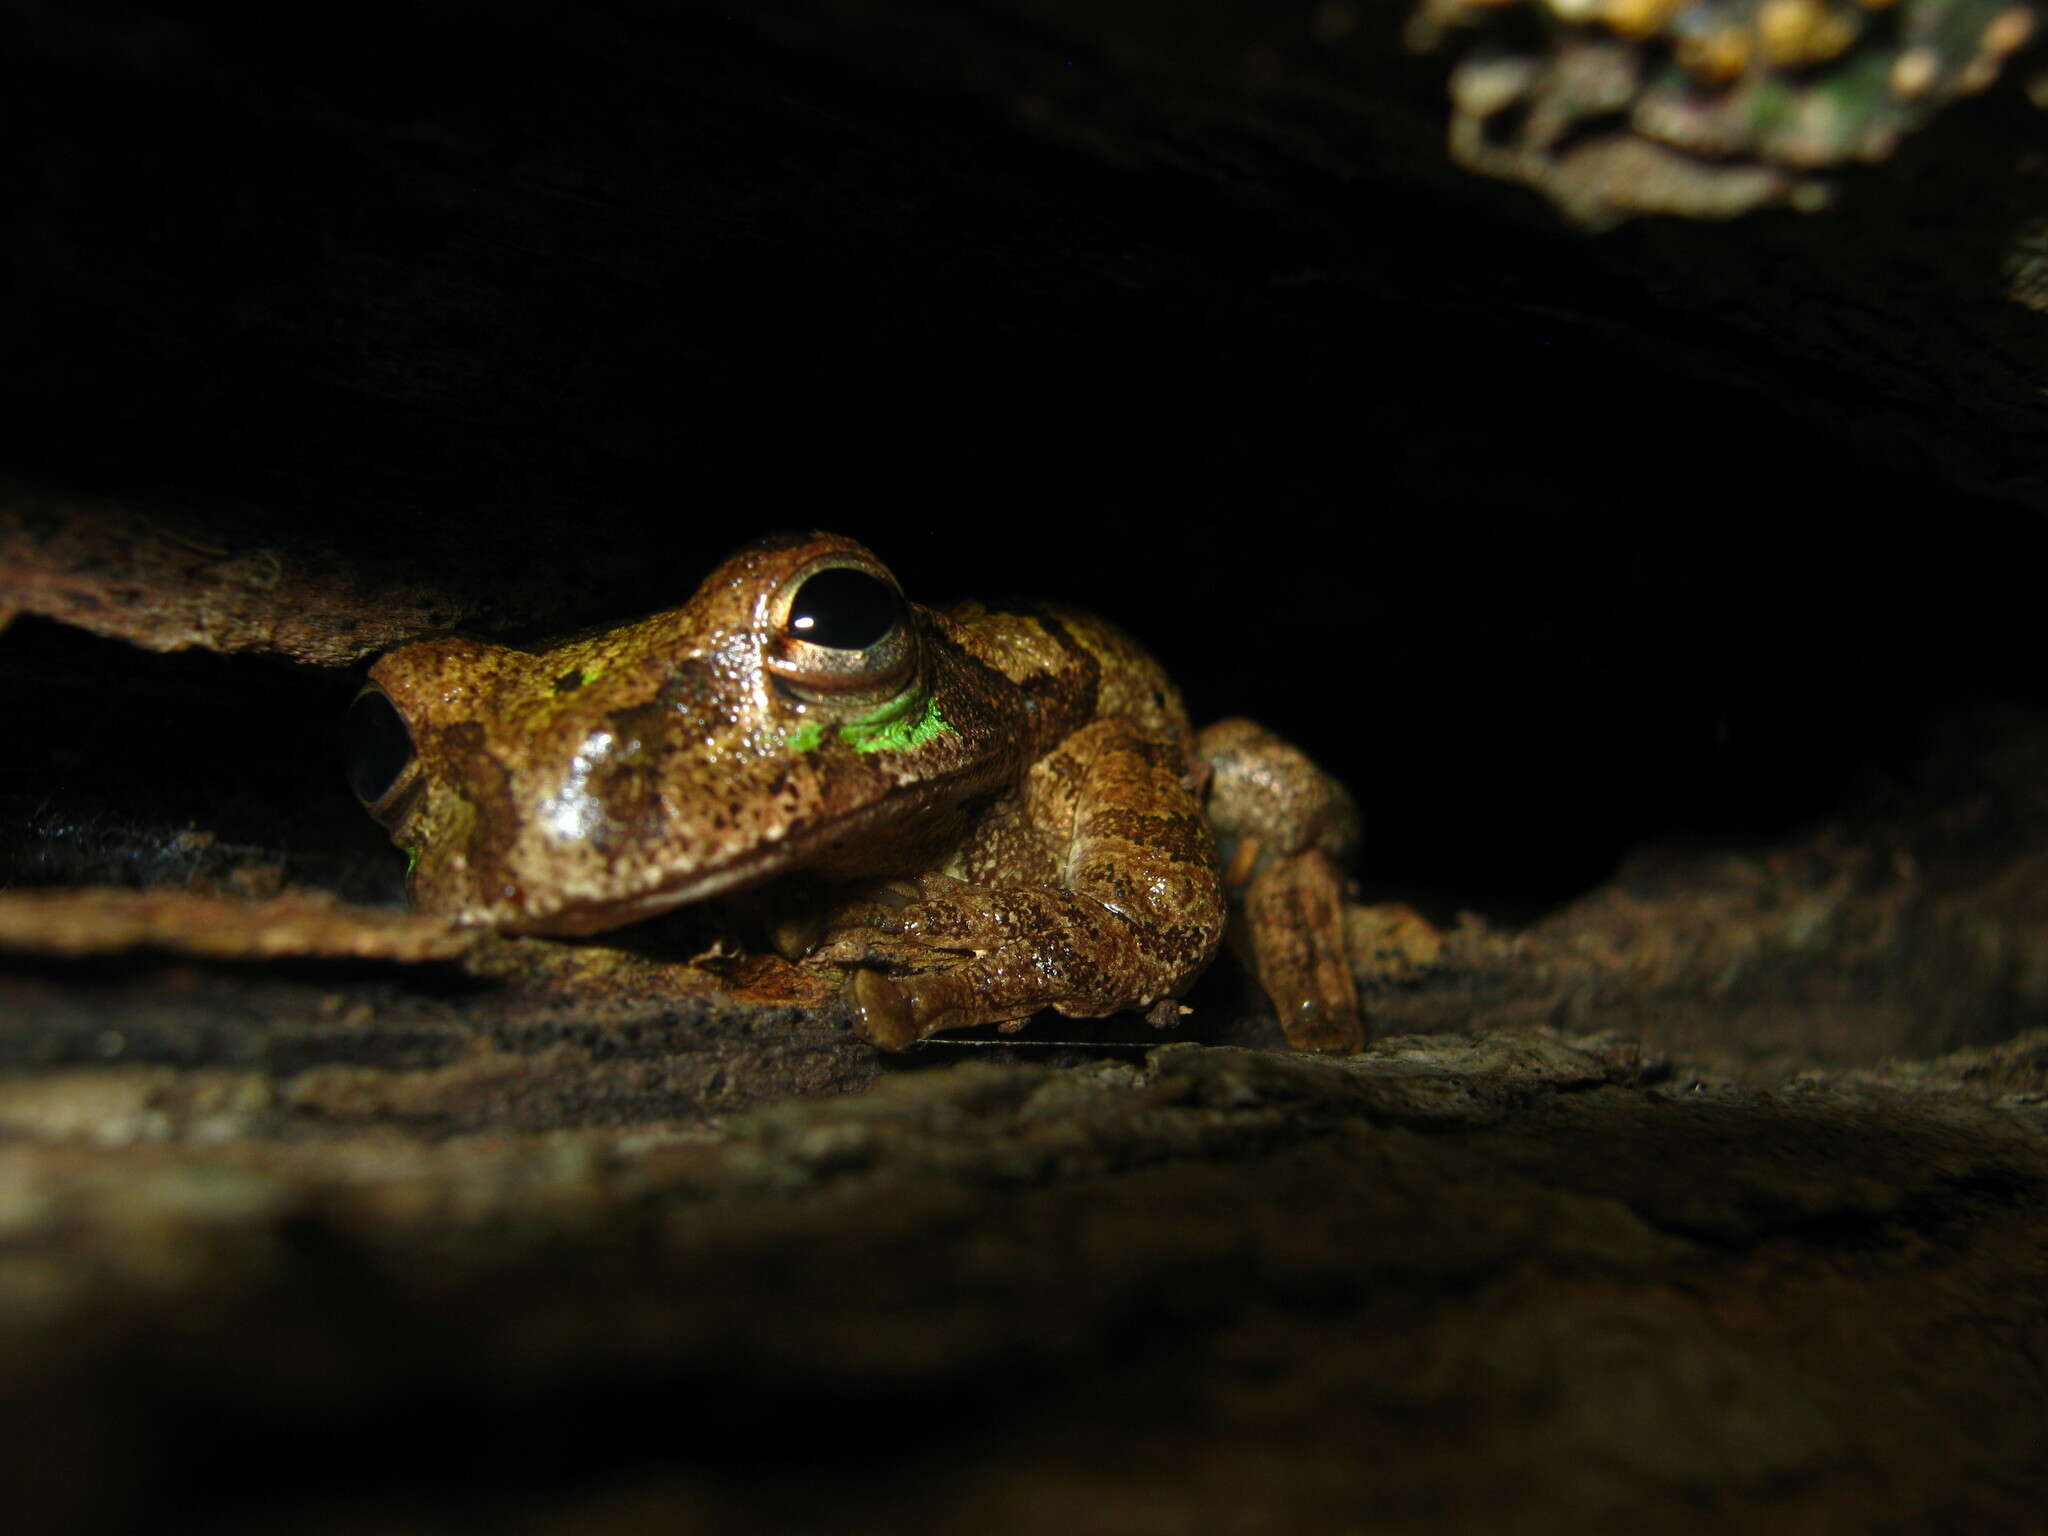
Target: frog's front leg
1285 831
1129 911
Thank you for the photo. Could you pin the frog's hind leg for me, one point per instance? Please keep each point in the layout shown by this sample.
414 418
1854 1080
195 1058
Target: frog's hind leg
1284 831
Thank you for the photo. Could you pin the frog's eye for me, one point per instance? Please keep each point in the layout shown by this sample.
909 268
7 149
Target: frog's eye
844 609
844 632
379 746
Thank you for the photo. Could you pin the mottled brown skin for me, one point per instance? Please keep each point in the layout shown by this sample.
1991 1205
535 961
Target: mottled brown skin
999 809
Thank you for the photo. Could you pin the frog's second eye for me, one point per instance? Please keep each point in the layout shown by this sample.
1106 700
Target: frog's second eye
844 609
379 746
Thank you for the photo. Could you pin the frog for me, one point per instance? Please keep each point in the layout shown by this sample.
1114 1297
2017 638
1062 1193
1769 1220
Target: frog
972 813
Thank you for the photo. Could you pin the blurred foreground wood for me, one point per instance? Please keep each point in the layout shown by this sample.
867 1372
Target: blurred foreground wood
1451 1284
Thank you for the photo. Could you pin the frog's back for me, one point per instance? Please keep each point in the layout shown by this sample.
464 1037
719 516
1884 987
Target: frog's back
1077 666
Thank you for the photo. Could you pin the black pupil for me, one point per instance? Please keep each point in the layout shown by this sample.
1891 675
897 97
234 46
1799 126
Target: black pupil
846 610
379 746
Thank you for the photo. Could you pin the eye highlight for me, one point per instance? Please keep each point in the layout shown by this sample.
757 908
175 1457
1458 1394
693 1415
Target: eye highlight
380 746
843 609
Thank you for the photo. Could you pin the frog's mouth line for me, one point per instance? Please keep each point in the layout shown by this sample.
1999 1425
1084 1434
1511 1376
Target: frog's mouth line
754 867
574 920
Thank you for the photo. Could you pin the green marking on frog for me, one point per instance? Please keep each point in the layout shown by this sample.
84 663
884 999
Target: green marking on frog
412 861
806 737
903 724
574 678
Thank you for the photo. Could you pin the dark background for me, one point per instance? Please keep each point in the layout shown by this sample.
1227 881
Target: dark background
558 305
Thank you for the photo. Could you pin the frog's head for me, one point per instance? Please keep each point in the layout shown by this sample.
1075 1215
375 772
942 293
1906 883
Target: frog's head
796 704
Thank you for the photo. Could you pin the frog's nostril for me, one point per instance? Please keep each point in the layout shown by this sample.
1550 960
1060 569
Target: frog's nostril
379 746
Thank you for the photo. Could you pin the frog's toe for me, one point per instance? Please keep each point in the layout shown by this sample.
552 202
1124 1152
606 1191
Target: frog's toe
883 1012
796 936
1332 1027
895 1012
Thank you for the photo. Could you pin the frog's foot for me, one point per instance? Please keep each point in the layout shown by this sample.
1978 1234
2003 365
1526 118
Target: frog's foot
1284 831
962 955
1293 918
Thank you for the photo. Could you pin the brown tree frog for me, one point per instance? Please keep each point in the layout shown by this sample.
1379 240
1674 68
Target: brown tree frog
988 809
